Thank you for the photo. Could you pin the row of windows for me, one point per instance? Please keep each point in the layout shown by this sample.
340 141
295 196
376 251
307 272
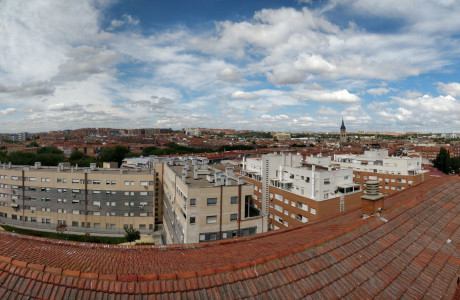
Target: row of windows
213 219
213 236
94 213
213 201
77 224
79 181
300 205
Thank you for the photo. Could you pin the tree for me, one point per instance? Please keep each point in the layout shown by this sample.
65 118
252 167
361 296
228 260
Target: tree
443 162
20 158
61 228
81 159
117 153
49 149
33 144
149 151
132 234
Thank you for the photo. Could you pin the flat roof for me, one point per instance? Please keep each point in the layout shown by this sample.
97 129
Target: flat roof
80 170
201 181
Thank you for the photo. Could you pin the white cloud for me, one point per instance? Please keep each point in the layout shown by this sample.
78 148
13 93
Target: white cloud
327 111
125 20
7 111
378 91
451 88
313 63
244 95
341 96
65 107
229 74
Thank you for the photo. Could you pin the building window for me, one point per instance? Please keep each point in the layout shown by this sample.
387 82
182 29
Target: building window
313 211
211 201
192 202
233 200
233 217
211 219
192 220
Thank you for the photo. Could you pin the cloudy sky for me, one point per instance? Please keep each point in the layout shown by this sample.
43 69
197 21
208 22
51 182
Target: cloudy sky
291 65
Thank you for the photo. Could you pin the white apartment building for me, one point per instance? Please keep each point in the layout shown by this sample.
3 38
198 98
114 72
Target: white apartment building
305 190
393 173
378 161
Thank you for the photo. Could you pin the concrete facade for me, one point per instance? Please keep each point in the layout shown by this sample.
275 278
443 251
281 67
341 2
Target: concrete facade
203 204
93 200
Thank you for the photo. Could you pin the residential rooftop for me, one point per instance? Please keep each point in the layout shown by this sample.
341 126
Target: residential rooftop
411 250
206 177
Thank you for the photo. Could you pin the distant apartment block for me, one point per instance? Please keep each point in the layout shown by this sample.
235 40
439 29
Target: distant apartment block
282 136
292 191
192 131
203 204
393 173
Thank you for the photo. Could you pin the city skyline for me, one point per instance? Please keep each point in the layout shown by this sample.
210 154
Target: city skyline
297 65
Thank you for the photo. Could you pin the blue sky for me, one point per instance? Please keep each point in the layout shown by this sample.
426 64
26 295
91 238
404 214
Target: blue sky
292 65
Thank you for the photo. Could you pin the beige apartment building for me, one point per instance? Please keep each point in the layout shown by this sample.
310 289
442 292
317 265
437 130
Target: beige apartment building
204 204
85 199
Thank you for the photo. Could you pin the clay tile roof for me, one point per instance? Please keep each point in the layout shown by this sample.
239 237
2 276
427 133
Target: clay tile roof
410 251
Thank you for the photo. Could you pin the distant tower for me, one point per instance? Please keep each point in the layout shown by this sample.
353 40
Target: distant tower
343 134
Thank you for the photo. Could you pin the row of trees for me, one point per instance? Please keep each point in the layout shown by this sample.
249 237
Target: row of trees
48 156
173 148
52 156
445 163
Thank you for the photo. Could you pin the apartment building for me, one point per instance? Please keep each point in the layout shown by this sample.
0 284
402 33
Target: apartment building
85 199
393 173
292 191
204 204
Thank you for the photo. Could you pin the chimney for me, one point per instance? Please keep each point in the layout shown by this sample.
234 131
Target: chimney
184 173
228 180
229 171
195 171
218 178
372 200
38 165
92 166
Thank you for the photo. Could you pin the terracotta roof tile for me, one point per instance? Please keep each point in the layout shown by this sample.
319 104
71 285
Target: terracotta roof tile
412 250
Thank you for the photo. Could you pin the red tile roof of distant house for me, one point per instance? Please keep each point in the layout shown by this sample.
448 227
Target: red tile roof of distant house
411 251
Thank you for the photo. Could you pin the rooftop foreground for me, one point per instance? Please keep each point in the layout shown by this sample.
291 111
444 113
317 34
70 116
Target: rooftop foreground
411 250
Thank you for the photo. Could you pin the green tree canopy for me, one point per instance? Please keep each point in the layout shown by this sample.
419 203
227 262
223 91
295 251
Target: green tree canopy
81 159
33 144
49 149
132 234
117 153
20 158
443 162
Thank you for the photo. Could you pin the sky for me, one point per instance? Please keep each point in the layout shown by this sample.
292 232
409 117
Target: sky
292 65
